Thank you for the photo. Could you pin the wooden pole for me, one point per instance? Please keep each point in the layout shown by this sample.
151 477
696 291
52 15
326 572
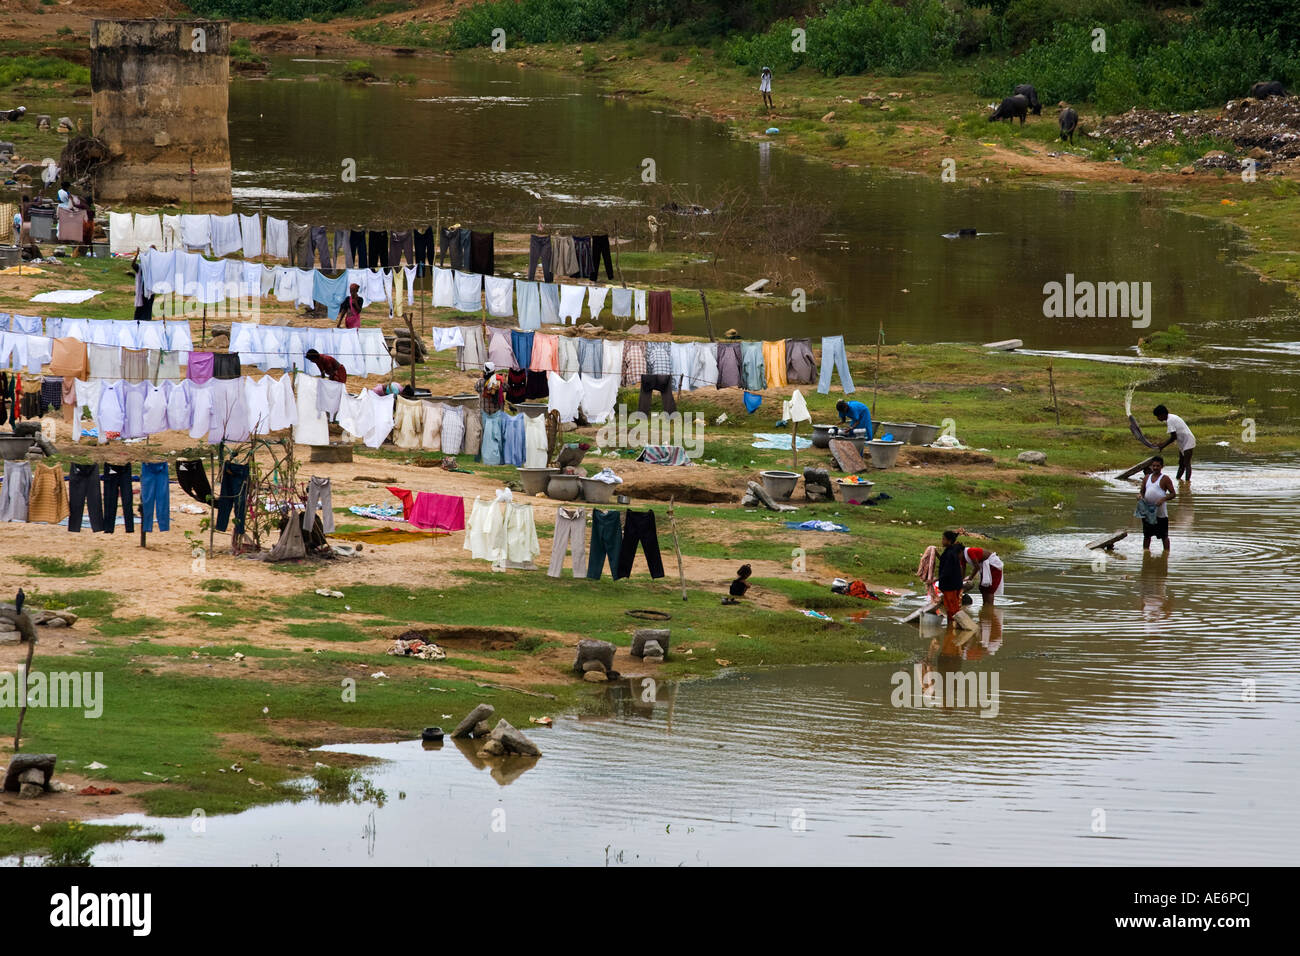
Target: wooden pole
708 323
27 670
411 328
677 547
875 388
794 443
618 266
1052 382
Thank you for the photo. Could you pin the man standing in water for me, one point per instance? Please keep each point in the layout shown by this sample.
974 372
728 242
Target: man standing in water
1178 432
1157 490
765 86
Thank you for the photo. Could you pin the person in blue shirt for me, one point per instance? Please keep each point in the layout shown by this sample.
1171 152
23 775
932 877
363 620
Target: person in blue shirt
856 414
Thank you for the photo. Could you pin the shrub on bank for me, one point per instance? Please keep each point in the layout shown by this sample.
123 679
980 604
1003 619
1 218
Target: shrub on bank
1196 68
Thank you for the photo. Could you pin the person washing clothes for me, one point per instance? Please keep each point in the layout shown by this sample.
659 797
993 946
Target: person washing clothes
1178 432
856 414
952 567
989 568
350 309
1157 490
329 366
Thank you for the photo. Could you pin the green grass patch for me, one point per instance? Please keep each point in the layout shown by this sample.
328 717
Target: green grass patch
334 631
220 584
52 567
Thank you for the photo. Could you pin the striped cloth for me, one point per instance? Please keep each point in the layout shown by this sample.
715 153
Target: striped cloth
664 455
49 497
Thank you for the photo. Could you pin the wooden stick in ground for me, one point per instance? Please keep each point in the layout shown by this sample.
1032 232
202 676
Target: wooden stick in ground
410 327
1052 382
27 670
672 523
875 388
708 324
794 443
618 266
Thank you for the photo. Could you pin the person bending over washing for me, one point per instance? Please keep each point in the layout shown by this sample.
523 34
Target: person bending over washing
856 415
988 566
952 566
1157 490
329 366
1178 432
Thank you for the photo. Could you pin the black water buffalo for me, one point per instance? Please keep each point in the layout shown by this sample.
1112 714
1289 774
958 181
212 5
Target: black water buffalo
1262 91
1031 94
1069 122
1012 106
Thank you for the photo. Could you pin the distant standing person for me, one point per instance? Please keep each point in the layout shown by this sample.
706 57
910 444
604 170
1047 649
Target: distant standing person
350 309
1157 490
1178 432
765 86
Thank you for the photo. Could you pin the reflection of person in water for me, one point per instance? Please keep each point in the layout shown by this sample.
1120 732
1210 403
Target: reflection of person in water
990 634
1157 602
944 657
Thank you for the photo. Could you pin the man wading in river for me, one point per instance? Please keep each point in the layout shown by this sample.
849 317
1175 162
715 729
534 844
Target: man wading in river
1178 432
1152 507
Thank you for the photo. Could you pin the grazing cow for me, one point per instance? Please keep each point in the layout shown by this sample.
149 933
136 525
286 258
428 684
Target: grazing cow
1031 94
1262 91
1069 122
1011 106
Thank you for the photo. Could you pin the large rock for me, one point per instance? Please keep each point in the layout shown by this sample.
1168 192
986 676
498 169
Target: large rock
645 635
589 650
479 713
595 677
513 740
817 485
1032 457
19 764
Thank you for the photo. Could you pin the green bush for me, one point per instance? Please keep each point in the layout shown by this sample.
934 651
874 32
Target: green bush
854 37
290 9
1192 68
14 69
836 140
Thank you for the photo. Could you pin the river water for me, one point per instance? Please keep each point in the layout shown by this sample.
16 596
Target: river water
1145 708
494 147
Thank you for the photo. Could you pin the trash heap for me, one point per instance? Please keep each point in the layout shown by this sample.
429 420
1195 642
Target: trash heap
1267 131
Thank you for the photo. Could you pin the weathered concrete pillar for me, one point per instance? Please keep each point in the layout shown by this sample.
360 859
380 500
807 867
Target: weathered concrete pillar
160 93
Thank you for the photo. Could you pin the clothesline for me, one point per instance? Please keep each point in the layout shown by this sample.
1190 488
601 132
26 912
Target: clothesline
212 281
468 250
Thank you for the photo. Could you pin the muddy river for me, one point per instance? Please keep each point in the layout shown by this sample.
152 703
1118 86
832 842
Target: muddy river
1140 709
1136 710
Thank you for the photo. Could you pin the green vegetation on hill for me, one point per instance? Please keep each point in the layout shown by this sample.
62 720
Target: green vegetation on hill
294 9
1151 55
